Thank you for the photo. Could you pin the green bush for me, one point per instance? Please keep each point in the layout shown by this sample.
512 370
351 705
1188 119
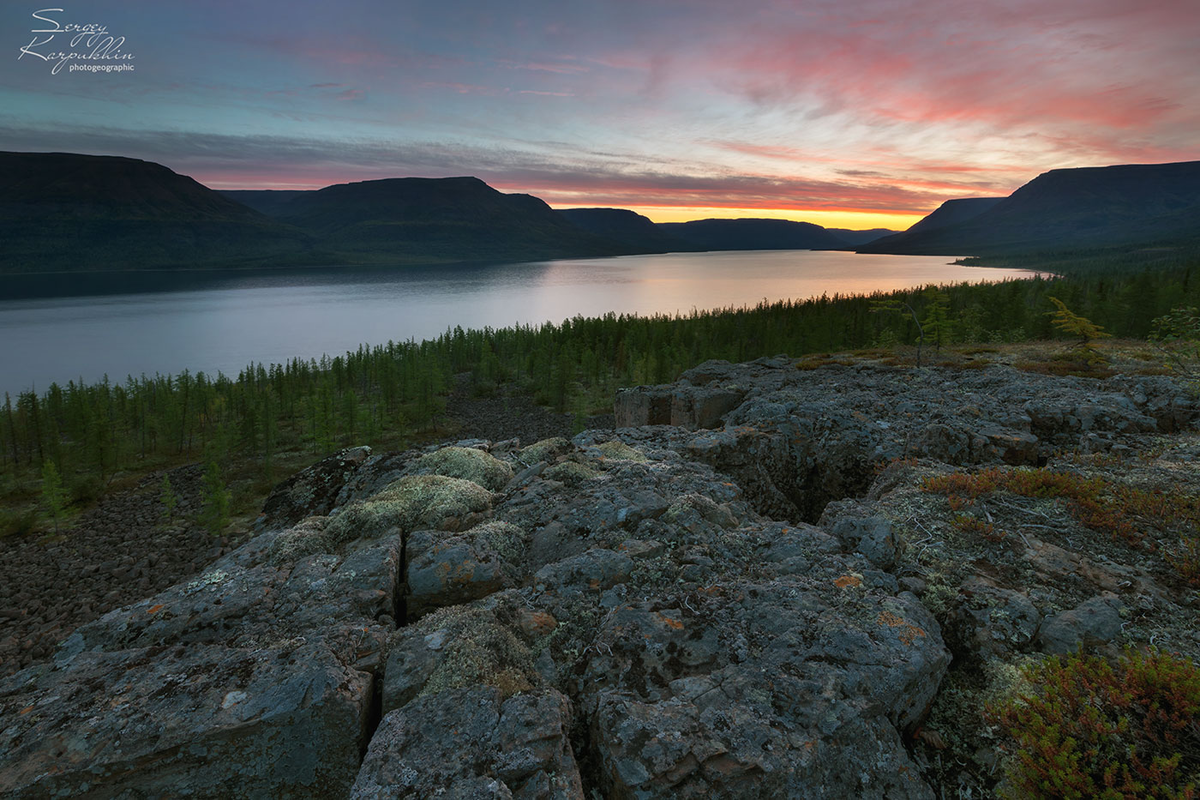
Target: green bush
86 489
1088 729
17 523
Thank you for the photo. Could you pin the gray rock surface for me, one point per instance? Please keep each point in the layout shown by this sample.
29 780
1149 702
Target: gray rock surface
1095 622
312 491
745 596
473 743
184 721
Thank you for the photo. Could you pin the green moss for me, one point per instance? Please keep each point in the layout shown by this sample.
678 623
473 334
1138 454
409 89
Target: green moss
570 473
545 450
466 463
620 451
413 502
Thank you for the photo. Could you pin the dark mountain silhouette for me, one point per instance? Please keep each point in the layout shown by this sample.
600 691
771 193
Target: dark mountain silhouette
953 212
627 228
1069 209
856 238
66 212
439 219
272 202
754 234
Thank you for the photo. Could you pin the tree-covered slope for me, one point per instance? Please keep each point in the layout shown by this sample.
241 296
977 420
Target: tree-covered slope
754 234
627 228
440 219
68 212
1070 209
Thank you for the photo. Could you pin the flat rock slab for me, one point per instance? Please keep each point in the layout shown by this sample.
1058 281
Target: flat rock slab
184 722
783 689
473 743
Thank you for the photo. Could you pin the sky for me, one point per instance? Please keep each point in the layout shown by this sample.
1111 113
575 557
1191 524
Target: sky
847 113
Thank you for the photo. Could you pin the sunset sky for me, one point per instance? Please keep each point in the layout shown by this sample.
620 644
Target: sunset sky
848 113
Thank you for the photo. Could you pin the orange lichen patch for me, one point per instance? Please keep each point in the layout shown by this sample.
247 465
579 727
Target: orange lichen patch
847 581
155 609
669 622
908 632
536 623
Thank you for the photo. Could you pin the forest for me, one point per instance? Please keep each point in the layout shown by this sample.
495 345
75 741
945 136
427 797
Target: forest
80 437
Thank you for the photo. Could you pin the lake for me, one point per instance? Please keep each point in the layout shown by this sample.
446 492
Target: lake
58 328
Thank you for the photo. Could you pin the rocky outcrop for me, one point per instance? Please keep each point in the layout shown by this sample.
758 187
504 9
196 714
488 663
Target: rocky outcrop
311 491
797 439
763 598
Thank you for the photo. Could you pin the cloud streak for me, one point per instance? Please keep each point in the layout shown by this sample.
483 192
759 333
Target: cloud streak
824 105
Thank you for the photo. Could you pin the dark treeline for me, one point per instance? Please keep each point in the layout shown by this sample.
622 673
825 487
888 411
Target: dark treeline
93 432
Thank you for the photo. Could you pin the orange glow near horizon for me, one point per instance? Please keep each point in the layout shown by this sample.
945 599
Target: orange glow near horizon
852 220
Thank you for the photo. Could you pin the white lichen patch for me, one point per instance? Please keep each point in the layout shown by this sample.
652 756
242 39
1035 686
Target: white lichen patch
545 450
570 473
214 578
620 451
466 463
408 504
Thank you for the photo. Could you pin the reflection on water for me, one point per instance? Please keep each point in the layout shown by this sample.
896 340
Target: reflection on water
136 323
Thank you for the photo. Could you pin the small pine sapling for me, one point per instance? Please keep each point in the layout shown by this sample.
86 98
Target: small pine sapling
54 496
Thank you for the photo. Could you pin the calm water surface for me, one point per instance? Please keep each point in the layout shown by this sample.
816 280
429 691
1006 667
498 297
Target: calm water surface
120 324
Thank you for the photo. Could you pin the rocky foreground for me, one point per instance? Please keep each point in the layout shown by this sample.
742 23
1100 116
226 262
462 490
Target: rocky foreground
766 582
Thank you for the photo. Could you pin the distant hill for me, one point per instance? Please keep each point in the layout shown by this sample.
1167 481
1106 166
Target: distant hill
753 234
70 212
67 212
272 202
439 219
856 238
1068 209
627 228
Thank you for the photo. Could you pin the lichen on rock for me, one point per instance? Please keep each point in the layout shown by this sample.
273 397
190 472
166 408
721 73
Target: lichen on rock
414 501
467 463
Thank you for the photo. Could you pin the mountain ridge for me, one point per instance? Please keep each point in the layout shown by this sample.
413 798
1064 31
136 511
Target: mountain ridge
1080 208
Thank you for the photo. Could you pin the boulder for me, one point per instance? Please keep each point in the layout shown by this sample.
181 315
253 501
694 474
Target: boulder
993 622
1093 623
468 463
312 491
473 743
766 690
198 721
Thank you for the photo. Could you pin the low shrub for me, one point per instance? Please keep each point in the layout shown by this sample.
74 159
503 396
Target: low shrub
1084 728
1095 502
17 523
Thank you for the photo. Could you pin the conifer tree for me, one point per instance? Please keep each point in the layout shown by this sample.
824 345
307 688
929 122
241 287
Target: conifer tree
936 323
1072 324
214 515
54 496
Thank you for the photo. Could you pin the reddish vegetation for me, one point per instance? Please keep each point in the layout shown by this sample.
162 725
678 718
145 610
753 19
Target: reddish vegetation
1087 729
